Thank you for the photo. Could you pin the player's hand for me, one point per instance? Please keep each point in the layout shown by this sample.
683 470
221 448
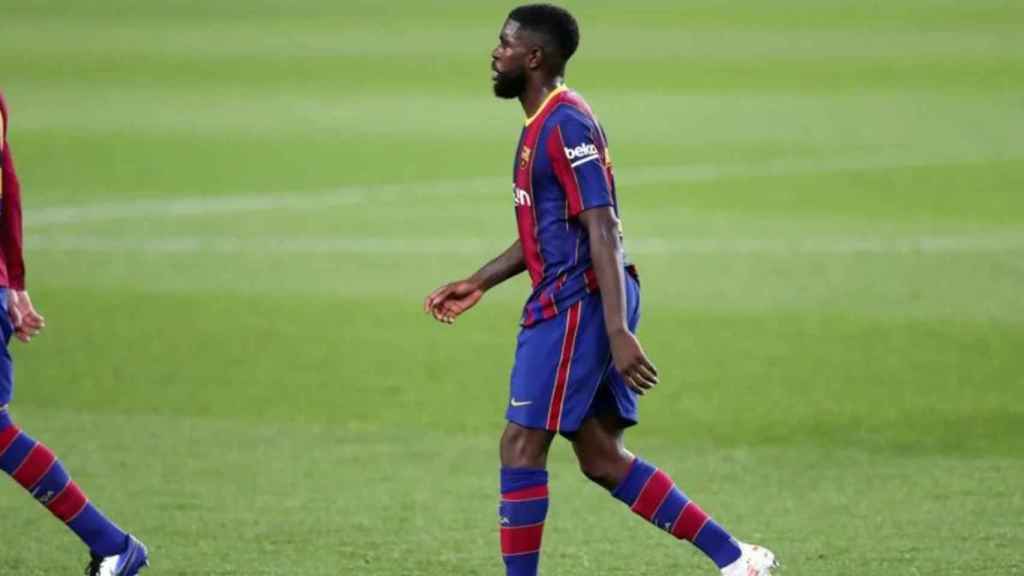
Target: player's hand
449 301
632 363
26 321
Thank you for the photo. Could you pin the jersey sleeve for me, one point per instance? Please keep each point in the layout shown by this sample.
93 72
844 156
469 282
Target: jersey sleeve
576 149
10 210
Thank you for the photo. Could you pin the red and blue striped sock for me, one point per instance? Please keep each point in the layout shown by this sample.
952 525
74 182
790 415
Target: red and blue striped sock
35 467
524 506
652 494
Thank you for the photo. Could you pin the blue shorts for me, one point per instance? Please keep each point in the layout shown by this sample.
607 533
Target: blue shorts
563 372
6 366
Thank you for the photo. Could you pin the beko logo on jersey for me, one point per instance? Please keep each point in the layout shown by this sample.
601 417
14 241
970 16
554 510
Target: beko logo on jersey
581 151
521 197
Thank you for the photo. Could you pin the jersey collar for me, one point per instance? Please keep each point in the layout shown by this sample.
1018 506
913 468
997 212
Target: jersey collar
561 88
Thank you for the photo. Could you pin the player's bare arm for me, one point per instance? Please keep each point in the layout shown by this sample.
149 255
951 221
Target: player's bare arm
605 241
26 320
452 299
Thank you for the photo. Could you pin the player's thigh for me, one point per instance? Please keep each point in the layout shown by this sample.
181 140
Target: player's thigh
535 374
562 365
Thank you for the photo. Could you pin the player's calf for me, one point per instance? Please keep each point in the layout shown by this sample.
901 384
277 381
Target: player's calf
654 496
523 510
35 467
524 497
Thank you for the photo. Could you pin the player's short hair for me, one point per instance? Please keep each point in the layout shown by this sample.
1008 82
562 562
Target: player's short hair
555 23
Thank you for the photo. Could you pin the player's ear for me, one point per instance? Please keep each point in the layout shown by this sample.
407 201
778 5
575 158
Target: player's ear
535 58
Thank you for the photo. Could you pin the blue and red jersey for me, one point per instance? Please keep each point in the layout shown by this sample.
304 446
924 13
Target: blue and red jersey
12 265
562 167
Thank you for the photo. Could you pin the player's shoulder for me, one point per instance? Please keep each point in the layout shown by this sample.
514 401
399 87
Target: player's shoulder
572 113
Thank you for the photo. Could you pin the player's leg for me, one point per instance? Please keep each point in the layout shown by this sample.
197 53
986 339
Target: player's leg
525 443
523 447
601 451
648 491
35 467
523 453
524 497
653 495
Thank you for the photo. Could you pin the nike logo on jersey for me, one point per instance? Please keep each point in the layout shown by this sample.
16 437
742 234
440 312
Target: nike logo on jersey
518 404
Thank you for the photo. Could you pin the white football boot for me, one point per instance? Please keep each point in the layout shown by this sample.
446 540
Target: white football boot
754 561
128 563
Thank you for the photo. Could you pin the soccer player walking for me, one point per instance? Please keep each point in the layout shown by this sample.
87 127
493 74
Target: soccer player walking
579 366
28 462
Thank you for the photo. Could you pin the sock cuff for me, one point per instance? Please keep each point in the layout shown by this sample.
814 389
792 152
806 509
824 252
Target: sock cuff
639 473
517 479
5 419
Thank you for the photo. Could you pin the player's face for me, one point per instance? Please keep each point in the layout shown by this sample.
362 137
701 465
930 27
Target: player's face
508 62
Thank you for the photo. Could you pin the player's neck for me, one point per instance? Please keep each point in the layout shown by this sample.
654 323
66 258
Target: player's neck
537 92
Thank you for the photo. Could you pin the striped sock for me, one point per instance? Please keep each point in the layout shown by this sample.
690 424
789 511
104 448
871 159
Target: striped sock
524 505
650 493
35 467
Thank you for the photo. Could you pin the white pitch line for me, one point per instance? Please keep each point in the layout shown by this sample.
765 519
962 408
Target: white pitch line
187 206
255 245
833 245
212 205
115 210
794 166
806 246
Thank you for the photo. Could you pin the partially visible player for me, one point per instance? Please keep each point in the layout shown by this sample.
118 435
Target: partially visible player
579 366
29 462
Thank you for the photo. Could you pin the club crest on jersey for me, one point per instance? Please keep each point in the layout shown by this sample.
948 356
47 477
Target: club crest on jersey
521 197
582 151
524 157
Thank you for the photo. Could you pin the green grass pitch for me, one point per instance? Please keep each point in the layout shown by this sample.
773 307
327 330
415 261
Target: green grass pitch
234 210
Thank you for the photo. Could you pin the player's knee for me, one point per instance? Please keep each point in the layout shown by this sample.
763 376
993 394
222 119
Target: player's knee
600 471
606 468
524 448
